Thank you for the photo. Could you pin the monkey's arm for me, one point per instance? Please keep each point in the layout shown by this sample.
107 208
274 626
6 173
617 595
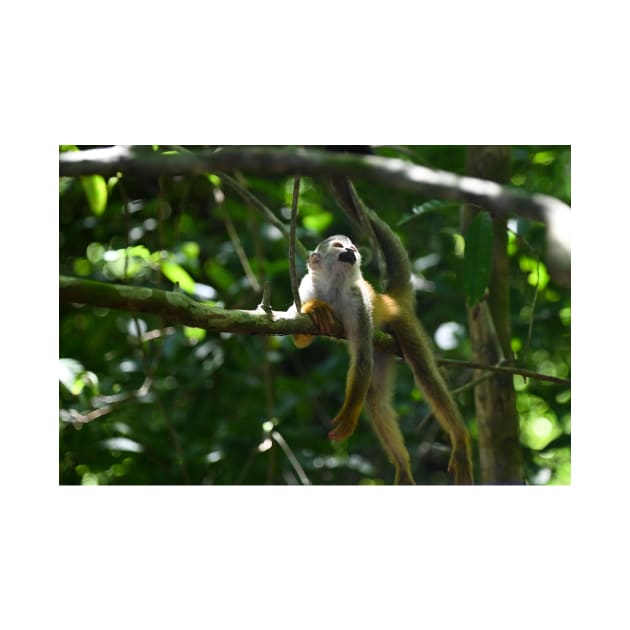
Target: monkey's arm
358 327
320 312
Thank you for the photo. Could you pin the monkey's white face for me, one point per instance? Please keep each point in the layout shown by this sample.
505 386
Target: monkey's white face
334 250
334 266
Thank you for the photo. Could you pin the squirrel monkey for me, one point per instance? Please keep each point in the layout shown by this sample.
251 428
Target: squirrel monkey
334 289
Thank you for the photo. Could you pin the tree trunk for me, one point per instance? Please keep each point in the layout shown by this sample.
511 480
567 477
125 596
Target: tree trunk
490 332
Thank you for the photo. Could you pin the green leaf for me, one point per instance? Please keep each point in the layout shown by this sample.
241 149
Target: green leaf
95 253
220 276
194 334
64 184
95 189
74 377
69 372
177 274
82 267
111 182
190 249
538 274
544 157
478 257
318 223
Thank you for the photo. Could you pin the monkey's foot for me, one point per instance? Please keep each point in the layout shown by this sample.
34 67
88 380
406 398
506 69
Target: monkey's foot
301 340
460 466
343 427
404 478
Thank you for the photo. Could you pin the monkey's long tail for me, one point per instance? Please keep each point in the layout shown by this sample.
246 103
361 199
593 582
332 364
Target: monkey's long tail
382 236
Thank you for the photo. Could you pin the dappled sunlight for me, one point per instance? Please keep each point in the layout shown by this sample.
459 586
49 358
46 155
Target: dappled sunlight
449 335
171 373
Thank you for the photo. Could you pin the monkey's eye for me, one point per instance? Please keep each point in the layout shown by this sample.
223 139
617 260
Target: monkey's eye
337 244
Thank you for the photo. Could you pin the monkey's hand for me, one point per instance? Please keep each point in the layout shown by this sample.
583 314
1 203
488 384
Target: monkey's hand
322 316
460 464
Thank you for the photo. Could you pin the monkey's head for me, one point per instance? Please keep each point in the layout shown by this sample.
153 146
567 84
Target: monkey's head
336 255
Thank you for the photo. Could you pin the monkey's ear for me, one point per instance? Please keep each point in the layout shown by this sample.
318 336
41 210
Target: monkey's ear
314 260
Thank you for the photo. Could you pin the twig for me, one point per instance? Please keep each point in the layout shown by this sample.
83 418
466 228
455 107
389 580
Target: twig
125 202
530 327
487 315
293 272
246 466
291 457
423 422
170 427
258 205
112 403
536 254
472 383
504 369
347 197
265 304
240 252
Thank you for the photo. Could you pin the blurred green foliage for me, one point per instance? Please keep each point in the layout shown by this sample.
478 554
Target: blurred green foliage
173 405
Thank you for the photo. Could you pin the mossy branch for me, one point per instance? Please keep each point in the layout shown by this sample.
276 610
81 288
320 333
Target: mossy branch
178 308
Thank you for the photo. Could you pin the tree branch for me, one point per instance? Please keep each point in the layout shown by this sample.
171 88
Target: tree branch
504 369
293 272
181 309
391 172
500 200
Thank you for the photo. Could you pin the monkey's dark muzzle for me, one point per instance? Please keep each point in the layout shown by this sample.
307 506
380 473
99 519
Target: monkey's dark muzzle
348 256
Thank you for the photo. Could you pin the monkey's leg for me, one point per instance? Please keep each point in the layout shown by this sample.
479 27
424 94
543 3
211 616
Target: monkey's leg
383 417
417 352
359 374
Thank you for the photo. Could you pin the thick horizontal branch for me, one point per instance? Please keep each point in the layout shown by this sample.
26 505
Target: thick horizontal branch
391 172
394 173
179 308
